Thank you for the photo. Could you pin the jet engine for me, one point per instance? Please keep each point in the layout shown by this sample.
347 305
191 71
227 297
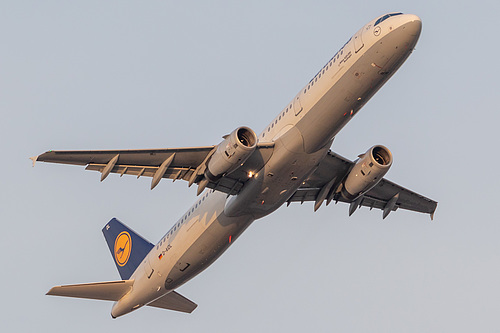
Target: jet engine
231 153
369 169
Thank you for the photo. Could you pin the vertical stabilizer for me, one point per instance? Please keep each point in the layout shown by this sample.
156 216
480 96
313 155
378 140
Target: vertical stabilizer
127 247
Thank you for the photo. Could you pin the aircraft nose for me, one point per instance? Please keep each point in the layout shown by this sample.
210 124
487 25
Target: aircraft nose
413 24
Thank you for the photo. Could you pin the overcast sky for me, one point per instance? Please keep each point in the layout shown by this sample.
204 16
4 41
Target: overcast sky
158 74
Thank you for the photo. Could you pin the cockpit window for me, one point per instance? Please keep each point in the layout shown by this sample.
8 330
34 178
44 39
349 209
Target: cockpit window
385 17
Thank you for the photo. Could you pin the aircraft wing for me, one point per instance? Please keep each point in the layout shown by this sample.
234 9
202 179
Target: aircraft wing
323 184
174 163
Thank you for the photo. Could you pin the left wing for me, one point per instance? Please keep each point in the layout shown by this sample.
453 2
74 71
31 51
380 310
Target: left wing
324 184
176 163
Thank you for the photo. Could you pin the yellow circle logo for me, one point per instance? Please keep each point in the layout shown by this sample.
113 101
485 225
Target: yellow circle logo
123 247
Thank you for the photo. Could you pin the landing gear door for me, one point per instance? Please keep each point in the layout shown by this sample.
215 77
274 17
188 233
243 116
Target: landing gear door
358 40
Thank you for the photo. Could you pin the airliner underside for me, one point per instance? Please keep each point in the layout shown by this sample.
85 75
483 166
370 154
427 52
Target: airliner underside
248 176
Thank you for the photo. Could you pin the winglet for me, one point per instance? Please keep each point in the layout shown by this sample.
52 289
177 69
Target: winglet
432 213
34 158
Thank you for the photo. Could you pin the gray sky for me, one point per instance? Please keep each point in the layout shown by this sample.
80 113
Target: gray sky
130 74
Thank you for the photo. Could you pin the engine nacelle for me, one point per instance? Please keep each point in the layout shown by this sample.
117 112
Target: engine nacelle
369 169
231 153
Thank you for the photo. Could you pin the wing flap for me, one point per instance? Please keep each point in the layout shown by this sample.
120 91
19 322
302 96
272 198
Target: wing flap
106 291
144 170
174 301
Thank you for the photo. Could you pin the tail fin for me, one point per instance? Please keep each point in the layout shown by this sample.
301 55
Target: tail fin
127 247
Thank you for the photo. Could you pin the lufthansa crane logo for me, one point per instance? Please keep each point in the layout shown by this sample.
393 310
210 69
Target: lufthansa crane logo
123 247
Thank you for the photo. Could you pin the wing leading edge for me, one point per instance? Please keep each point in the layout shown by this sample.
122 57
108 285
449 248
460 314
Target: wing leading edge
324 184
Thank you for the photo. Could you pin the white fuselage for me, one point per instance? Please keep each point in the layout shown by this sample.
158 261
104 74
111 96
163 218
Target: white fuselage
302 133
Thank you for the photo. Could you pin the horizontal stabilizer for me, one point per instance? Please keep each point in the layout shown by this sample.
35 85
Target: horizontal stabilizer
106 291
174 301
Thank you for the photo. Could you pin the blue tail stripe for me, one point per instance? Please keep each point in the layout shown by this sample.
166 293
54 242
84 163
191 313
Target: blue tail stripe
127 247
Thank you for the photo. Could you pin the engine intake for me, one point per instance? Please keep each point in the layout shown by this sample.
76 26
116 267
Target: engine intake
231 153
369 169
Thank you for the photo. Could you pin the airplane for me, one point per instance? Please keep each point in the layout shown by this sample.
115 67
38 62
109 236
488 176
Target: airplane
248 176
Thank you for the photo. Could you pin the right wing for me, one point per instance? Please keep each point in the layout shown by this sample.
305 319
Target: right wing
324 184
175 163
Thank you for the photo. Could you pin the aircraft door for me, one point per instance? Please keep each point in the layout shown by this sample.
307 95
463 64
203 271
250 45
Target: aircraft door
358 40
148 269
297 106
